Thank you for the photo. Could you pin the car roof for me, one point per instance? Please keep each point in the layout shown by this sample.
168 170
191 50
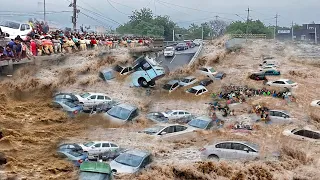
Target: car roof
141 153
205 118
179 110
253 145
282 80
198 87
127 106
101 142
171 82
94 93
99 167
279 110
189 77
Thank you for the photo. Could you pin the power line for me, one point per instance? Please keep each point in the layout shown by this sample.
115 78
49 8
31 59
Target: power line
172 8
99 15
116 8
93 19
194 8
126 5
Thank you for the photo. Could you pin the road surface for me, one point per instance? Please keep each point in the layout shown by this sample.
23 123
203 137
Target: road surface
180 59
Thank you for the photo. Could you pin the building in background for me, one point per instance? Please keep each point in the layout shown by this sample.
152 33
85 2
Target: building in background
308 33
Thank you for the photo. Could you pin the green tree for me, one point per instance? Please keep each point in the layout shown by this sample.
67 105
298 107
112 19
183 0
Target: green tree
254 27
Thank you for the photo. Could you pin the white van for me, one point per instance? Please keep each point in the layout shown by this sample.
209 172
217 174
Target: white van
269 63
15 28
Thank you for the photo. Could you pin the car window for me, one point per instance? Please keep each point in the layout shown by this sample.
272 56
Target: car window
93 97
311 134
105 145
271 113
224 146
192 79
61 155
27 26
63 147
113 145
97 145
125 70
56 105
180 128
59 96
175 113
133 115
181 113
100 97
200 91
146 161
23 27
204 69
238 146
169 129
107 98
175 85
187 113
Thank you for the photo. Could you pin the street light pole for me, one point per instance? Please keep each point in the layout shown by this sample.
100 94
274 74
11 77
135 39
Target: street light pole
202 32
44 10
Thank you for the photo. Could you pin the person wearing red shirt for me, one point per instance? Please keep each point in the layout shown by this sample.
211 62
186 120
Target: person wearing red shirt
33 47
94 42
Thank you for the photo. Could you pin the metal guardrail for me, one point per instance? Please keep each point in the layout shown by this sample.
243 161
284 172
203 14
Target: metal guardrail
195 56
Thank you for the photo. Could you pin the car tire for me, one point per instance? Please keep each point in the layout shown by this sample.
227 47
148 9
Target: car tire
152 83
213 157
142 82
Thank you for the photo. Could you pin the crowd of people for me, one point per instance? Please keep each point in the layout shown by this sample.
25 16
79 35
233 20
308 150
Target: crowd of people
239 94
41 41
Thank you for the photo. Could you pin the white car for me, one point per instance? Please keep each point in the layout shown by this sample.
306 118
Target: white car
197 42
131 161
176 114
168 130
269 61
267 68
197 90
169 52
15 28
202 122
89 99
188 81
230 150
123 70
171 85
303 134
94 148
207 71
315 103
285 83
280 117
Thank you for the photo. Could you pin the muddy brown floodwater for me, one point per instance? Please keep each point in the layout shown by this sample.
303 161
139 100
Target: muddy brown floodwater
32 129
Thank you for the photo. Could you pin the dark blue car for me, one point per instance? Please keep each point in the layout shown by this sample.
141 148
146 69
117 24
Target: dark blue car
75 157
70 108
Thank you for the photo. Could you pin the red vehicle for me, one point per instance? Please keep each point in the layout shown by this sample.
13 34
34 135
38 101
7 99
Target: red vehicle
189 43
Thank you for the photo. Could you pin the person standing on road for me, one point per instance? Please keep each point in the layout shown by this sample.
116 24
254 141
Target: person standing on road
83 44
56 44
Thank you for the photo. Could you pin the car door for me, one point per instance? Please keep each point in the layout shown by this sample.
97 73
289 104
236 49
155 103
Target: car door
199 92
174 86
91 100
180 129
181 114
95 149
113 146
100 100
238 151
105 147
167 132
175 115
224 151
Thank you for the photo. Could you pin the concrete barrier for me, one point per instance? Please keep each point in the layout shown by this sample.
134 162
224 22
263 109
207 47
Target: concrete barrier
195 56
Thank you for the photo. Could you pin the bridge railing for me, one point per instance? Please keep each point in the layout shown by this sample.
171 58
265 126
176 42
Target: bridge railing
250 36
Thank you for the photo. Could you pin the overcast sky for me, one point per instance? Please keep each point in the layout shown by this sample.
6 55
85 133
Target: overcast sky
195 11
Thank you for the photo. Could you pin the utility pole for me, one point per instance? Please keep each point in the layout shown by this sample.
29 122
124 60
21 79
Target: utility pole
74 17
315 36
202 31
173 35
44 10
247 29
276 29
292 31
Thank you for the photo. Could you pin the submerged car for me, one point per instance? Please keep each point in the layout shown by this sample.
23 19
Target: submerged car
206 82
197 90
303 134
171 85
122 113
220 76
70 108
70 147
94 148
285 83
208 71
169 52
167 130
202 122
131 161
315 103
66 97
187 81
123 70
280 117
176 114
272 72
95 171
75 157
157 117
90 99
258 76
231 150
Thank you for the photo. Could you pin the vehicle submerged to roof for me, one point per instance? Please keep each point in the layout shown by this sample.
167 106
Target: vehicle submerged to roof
95 171
122 113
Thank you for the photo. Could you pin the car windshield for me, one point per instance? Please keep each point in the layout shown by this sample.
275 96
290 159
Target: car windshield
10 24
255 146
85 95
93 176
75 154
191 90
212 70
153 130
129 159
167 86
169 49
88 144
185 80
118 68
71 105
198 123
290 82
169 112
119 112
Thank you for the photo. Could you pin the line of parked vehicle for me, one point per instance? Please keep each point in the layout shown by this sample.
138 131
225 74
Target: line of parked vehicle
186 44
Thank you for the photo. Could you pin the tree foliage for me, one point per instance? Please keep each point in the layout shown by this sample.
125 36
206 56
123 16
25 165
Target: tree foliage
254 27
